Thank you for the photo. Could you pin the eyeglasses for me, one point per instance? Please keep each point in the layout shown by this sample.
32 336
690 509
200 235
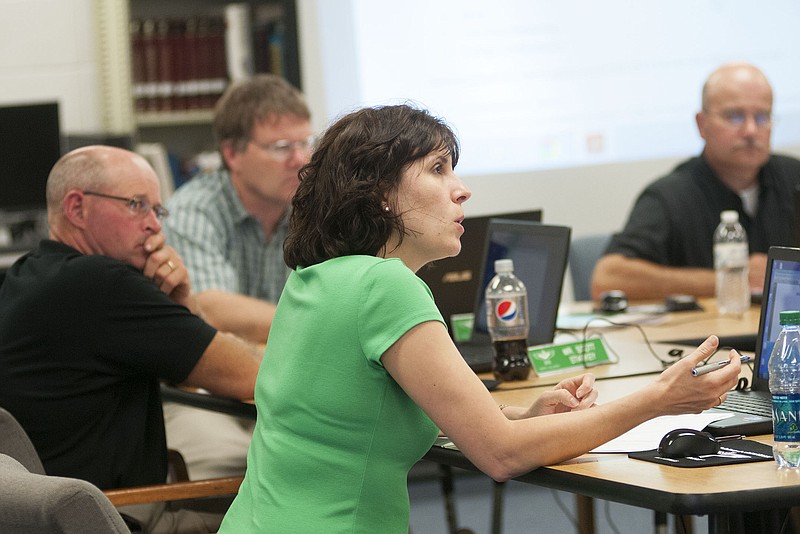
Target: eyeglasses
737 118
136 205
283 149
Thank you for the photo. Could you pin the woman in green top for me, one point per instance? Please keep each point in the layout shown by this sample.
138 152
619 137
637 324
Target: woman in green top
360 373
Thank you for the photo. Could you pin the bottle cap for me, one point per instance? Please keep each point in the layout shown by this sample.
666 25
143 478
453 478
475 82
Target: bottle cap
729 216
503 266
790 317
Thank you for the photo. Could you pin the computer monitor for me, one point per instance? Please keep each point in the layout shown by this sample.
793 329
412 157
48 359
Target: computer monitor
30 144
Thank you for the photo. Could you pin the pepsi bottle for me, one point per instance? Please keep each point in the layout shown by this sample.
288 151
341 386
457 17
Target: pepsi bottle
507 322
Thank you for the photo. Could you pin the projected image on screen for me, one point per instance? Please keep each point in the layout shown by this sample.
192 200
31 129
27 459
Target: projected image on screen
536 84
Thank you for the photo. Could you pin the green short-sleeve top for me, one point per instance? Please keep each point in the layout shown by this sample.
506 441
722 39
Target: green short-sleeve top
336 435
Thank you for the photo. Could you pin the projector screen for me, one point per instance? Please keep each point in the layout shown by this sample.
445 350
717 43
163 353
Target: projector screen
534 84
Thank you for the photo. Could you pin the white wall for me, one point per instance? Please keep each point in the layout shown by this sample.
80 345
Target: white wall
592 199
587 199
46 54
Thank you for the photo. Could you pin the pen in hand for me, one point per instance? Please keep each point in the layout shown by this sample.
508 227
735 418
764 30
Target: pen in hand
704 369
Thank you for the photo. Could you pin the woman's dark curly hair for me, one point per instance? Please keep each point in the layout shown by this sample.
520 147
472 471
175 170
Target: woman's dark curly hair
338 208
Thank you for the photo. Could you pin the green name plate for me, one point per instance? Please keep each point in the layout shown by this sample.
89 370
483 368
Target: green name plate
563 357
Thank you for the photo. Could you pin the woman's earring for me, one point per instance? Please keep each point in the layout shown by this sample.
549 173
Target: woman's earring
386 209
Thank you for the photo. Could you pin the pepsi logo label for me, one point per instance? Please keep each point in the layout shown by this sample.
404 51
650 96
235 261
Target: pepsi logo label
506 310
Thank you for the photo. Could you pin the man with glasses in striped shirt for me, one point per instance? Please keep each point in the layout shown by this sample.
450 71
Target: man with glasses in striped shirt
229 226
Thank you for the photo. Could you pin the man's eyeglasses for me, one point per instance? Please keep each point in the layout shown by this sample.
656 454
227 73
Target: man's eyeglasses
736 118
283 149
136 205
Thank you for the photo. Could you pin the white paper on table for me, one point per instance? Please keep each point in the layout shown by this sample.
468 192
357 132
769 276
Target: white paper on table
648 435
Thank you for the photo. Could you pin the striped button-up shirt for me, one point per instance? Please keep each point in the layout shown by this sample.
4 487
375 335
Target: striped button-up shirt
222 245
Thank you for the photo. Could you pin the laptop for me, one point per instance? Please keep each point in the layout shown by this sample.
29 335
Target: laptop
753 408
453 281
539 252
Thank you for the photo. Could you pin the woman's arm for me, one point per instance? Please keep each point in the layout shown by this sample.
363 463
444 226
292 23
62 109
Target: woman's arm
429 368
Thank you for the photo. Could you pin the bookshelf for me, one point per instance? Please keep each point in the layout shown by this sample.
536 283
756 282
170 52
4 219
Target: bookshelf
163 64
184 52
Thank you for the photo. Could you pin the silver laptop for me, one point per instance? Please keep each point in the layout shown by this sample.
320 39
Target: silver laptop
753 407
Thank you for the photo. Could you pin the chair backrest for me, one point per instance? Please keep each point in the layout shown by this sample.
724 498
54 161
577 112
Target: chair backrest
31 502
584 252
14 441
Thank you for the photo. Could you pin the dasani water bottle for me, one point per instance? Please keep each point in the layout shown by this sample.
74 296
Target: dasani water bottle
784 384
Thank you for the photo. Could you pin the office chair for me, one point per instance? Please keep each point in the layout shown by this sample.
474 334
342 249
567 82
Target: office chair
584 252
32 502
16 444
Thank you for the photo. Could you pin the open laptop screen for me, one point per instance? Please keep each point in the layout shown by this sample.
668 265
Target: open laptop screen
539 253
781 293
453 281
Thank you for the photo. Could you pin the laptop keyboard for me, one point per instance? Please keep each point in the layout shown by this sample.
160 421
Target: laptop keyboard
748 404
478 357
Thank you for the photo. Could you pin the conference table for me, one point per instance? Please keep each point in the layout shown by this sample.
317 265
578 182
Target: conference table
647 343
717 492
642 349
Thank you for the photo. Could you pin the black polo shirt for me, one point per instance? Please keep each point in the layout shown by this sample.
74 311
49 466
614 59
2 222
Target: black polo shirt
673 220
84 341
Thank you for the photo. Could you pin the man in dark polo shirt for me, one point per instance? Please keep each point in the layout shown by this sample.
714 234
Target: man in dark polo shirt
93 319
666 246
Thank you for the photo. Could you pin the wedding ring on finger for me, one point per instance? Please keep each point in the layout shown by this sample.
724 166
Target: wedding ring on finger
170 265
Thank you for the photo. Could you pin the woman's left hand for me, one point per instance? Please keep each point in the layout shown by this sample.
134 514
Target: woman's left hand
576 393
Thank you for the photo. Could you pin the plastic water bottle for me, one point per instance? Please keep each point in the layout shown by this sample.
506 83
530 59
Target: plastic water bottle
507 321
784 384
731 263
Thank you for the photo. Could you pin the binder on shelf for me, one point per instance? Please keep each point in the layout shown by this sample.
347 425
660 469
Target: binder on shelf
204 100
191 91
211 61
165 66
238 41
179 52
150 58
138 74
217 60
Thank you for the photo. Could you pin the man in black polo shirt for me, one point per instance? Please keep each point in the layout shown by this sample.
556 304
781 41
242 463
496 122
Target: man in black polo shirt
666 246
95 316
